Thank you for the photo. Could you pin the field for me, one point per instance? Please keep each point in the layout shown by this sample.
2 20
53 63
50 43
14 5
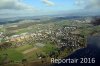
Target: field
24 52
41 41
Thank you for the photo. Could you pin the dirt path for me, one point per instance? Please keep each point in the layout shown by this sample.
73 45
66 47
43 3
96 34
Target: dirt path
29 50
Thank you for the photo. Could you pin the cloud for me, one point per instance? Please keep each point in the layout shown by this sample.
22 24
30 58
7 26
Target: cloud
14 8
14 4
79 2
93 4
89 4
48 3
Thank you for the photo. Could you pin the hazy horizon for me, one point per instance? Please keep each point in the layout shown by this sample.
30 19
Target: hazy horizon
16 8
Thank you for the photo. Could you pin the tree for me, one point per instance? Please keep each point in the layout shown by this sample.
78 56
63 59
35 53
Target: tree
96 21
24 62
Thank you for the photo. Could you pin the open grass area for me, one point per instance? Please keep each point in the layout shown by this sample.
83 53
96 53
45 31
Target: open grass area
23 48
16 54
48 48
12 54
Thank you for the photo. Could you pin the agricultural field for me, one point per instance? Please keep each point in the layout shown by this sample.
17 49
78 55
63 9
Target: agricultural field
36 42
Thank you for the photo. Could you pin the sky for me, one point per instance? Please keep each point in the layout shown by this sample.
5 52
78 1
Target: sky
14 8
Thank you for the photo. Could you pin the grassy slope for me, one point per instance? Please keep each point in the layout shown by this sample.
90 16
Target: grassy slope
12 54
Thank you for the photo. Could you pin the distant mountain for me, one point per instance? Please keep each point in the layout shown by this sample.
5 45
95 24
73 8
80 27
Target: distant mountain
43 18
16 19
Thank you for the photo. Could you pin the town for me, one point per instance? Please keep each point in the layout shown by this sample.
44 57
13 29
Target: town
42 40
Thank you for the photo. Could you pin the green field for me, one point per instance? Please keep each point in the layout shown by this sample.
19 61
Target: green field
12 55
16 54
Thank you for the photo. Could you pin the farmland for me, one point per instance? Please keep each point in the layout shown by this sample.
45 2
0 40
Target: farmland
40 41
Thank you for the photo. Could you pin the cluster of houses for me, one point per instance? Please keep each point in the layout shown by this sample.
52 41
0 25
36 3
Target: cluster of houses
69 37
64 36
27 38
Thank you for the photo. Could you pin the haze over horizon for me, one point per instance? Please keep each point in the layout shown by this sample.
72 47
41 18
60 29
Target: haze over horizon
15 8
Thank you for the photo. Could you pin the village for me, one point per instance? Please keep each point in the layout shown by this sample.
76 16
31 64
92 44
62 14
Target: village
40 42
64 36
